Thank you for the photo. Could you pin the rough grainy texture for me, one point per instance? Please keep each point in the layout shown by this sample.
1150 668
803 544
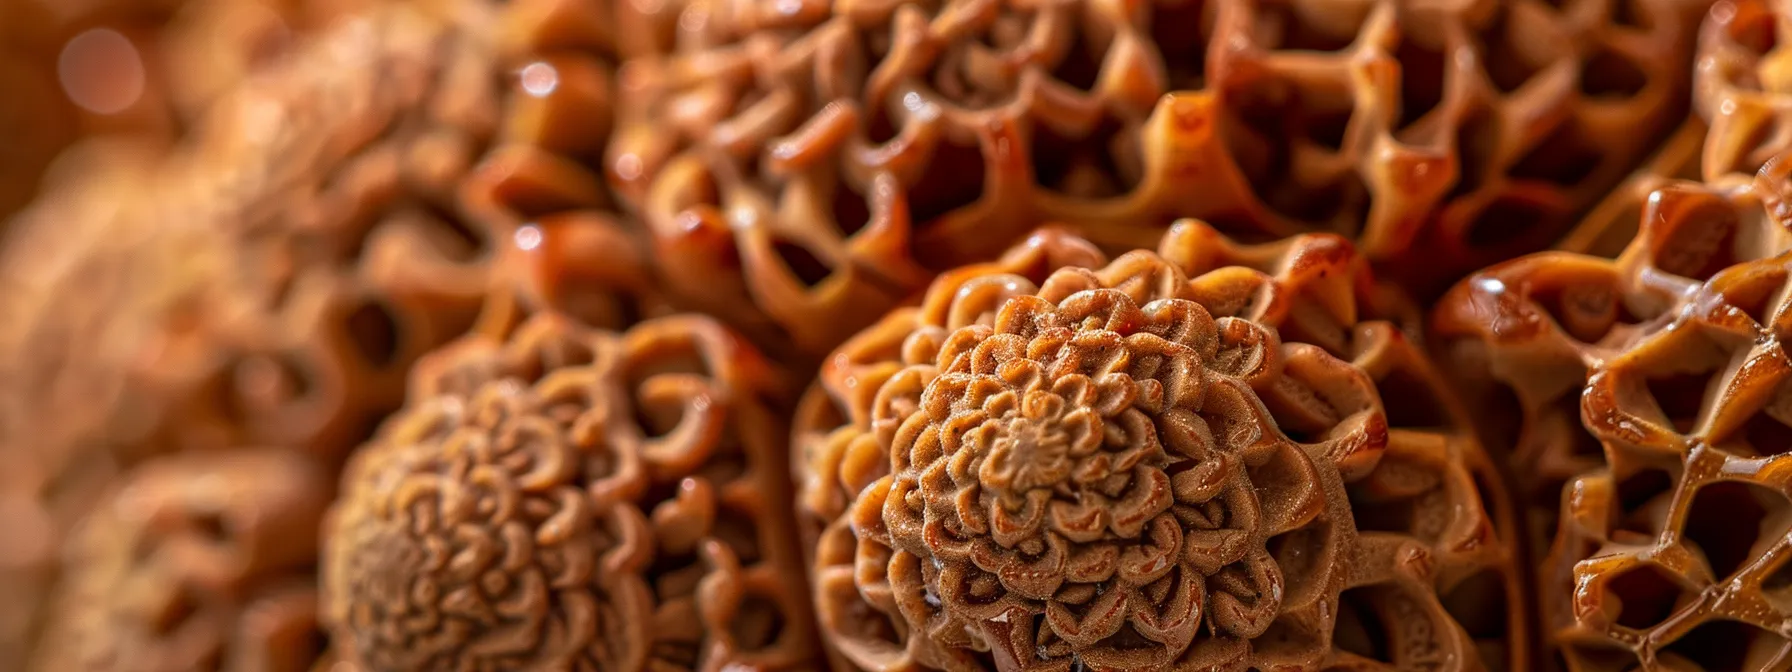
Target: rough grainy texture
1527 337
575 499
195 563
268 282
800 165
1057 461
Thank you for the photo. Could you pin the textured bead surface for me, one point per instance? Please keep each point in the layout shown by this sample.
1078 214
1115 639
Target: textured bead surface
1055 458
574 499
801 169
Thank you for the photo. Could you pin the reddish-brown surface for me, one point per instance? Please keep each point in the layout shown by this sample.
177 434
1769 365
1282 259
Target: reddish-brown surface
268 281
79 69
1055 458
193 564
574 499
539 244
801 169
1583 369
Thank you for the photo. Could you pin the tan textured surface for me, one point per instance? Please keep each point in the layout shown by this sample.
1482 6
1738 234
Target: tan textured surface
193 564
799 165
1528 336
575 499
266 283
1177 526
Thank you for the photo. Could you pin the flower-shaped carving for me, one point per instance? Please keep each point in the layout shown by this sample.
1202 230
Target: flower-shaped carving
1036 437
1060 460
1159 462
572 499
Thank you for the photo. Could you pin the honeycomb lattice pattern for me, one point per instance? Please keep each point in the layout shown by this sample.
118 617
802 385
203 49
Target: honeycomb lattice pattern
1741 85
1678 545
799 167
1375 541
192 564
1529 335
601 501
560 245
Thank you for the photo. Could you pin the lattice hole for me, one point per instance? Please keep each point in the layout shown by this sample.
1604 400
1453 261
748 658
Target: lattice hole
1421 80
1477 140
1640 494
1581 442
375 333
1410 402
1729 646
1507 67
1479 605
1766 435
1300 33
758 624
806 266
1680 397
1510 220
1564 158
1609 74
1647 594
1359 628
1732 521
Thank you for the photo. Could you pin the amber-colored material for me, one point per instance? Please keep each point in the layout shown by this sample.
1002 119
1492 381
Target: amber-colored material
575 499
1742 85
194 564
1528 336
1173 460
561 245
799 167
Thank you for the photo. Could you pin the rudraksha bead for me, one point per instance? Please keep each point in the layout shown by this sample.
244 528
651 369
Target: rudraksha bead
1173 460
577 499
196 562
266 281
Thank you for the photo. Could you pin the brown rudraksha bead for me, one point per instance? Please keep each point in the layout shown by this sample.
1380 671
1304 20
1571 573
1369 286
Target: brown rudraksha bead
575 499
802 167
1178 460
267 281
1524 340
280 269
197 562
